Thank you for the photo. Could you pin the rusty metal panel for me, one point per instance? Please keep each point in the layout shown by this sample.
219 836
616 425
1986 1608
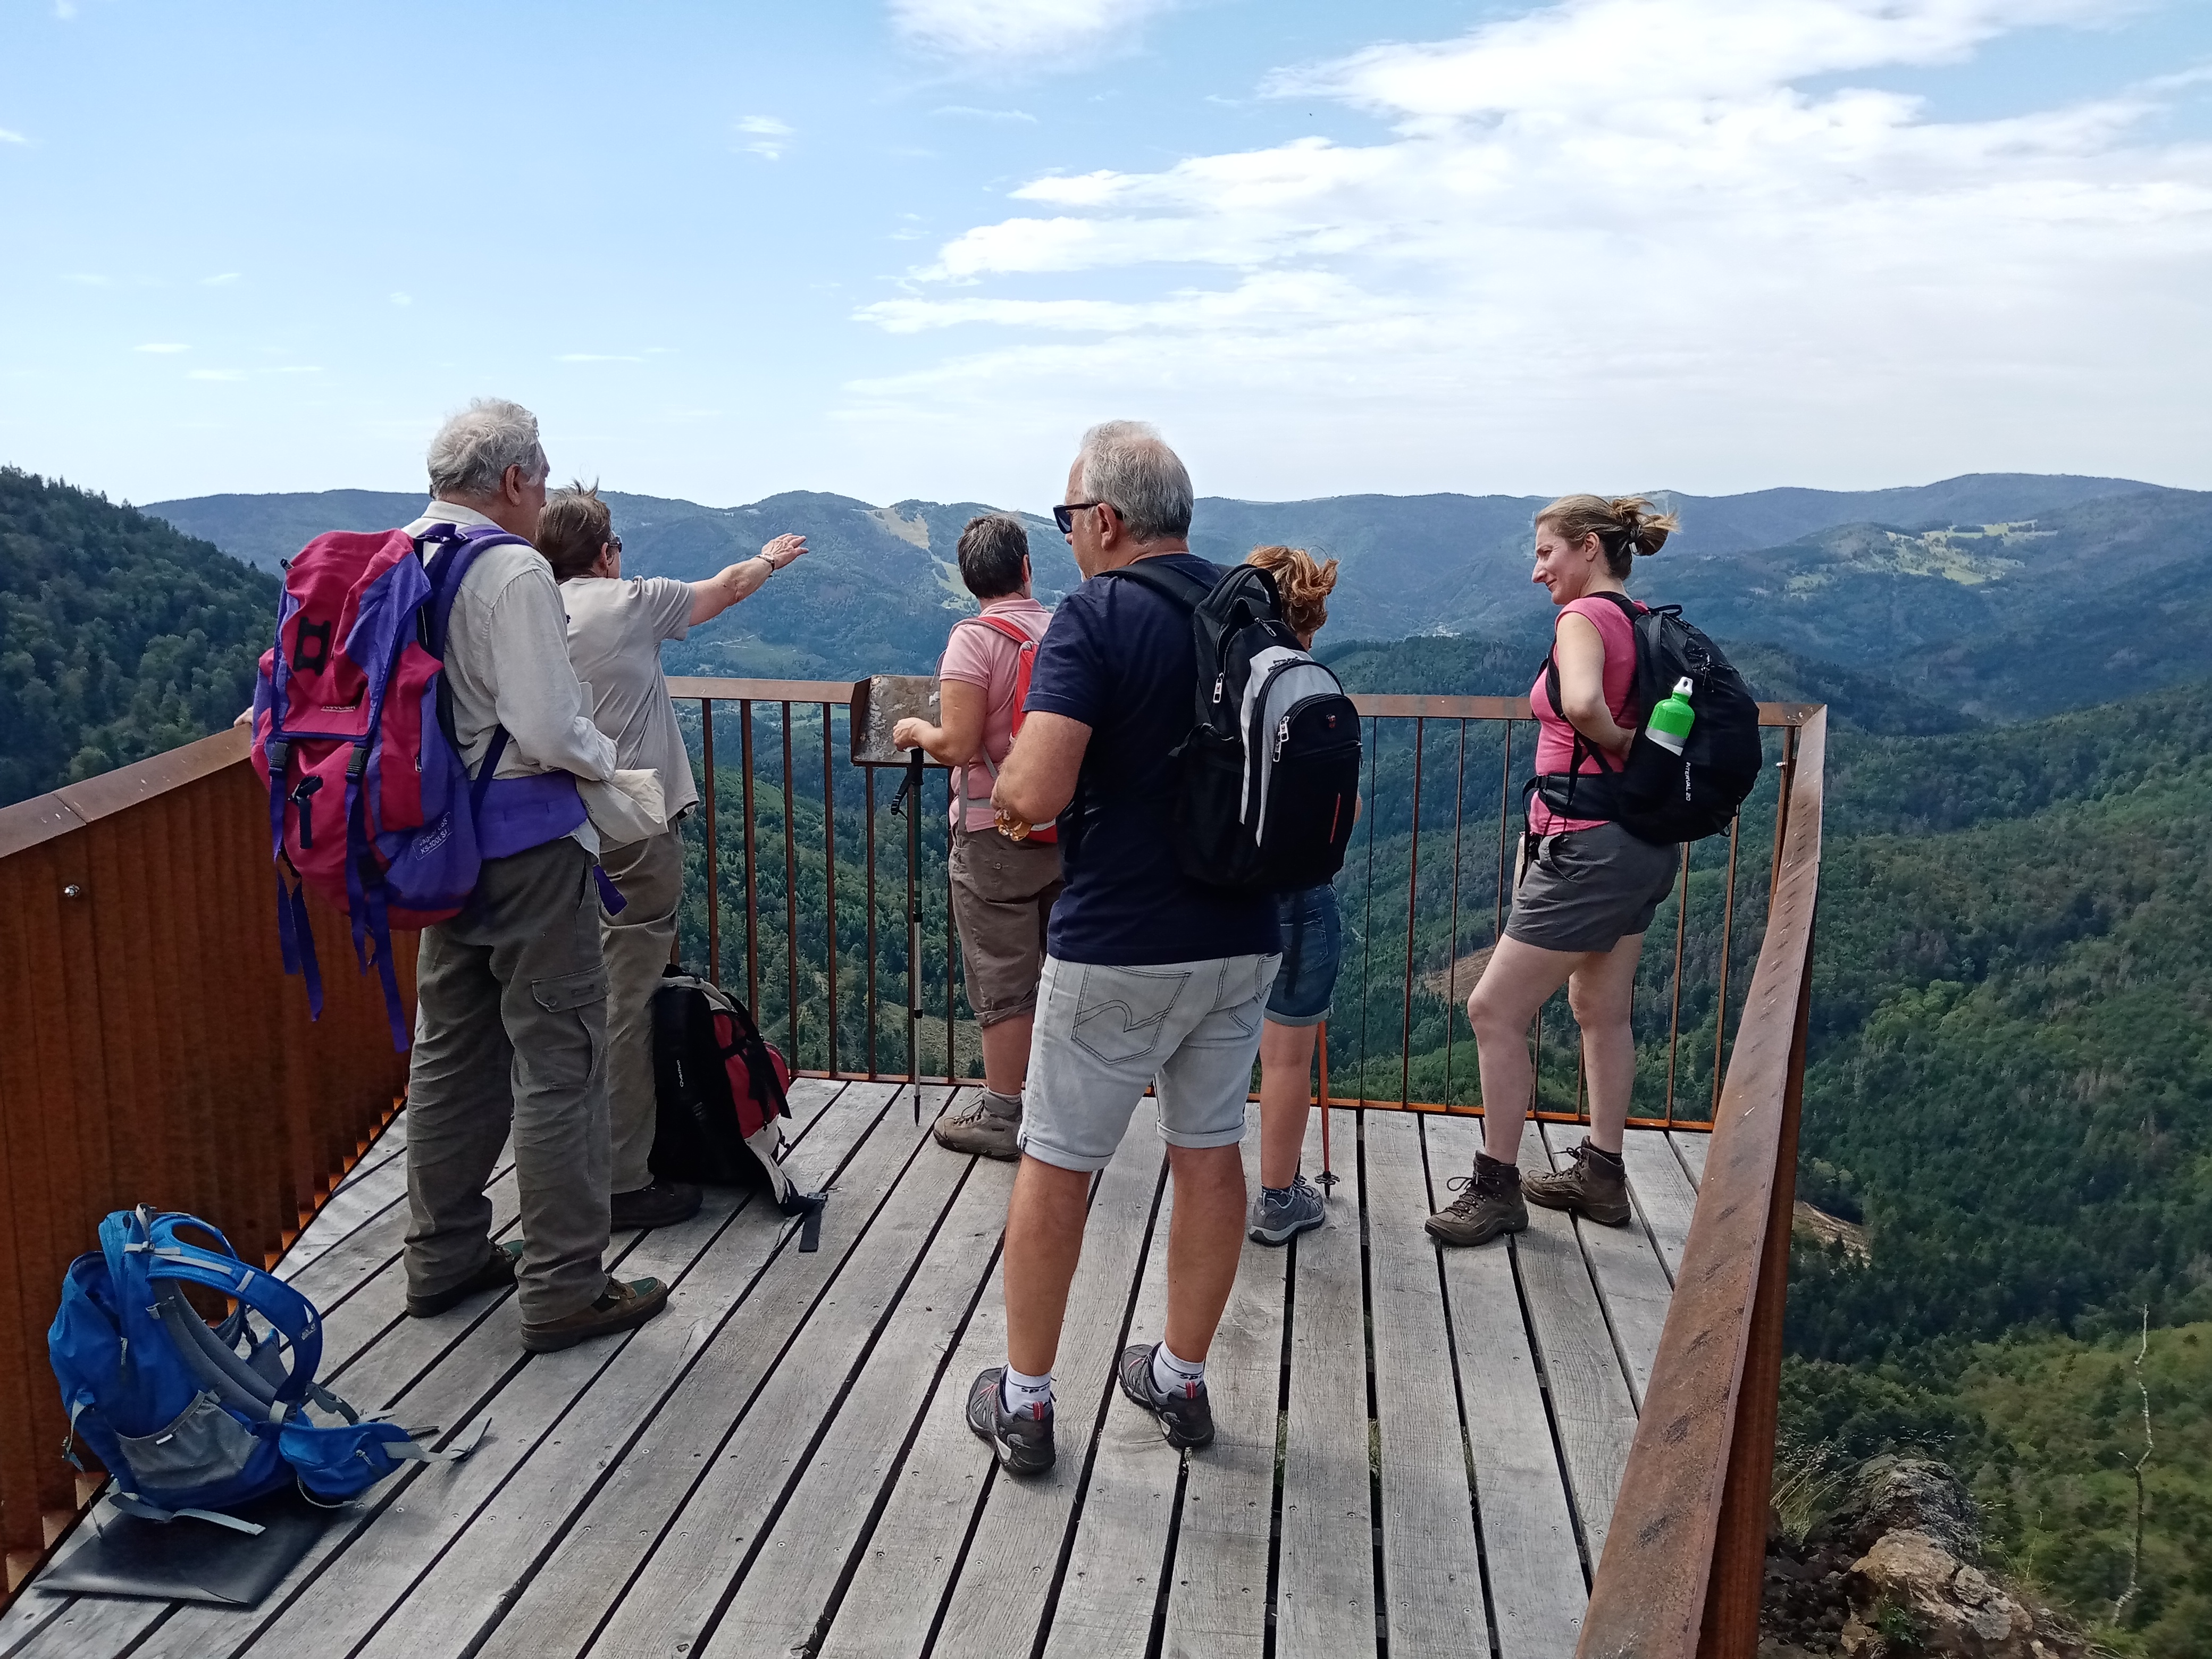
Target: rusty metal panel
1649 1599
706 685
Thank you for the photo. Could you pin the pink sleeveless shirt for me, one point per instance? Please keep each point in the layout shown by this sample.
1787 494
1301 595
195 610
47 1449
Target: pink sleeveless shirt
1555 738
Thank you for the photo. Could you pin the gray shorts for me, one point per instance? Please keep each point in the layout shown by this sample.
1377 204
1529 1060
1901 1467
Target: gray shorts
1190 1029
1587 890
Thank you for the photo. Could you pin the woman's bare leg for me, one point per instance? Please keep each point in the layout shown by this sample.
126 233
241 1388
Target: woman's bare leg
1513 986
1285 1095
1601 992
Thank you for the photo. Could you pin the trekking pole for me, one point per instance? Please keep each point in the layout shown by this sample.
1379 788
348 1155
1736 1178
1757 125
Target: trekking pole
912 795
1327 1174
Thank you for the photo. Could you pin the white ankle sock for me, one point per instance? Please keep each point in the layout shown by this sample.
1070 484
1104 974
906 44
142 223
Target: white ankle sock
1026 1395
1174 1376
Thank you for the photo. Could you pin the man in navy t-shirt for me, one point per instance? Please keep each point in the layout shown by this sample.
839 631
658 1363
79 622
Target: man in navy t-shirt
1150 979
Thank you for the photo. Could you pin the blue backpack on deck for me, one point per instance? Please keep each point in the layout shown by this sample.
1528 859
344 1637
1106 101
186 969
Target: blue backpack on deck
188 1417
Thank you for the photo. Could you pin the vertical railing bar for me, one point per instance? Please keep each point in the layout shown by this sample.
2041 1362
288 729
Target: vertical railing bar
1412 883
1788 769
868 808
952 1070
829 876
1367 924
914 1005
1674 1019
713 870
752 888
1728 925
1451 972
790 896
1505 794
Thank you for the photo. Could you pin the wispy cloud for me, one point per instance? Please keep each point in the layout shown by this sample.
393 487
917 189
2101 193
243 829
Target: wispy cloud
162 348
8 136
65 9
770 136
989 32
403 299
597 357
1602 209
216 374
969 111
222 281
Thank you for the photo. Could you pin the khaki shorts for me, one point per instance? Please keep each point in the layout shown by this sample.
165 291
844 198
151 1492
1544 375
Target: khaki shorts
1002 896
1587 890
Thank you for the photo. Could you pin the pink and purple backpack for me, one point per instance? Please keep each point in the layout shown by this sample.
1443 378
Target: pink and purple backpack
370 805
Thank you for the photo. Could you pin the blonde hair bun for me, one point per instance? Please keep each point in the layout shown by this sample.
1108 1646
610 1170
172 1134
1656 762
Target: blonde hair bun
1626 526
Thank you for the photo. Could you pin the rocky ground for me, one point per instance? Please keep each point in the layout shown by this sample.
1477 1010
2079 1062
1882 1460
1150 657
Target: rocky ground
1893 1569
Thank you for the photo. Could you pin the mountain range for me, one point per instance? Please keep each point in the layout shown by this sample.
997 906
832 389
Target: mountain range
2004 595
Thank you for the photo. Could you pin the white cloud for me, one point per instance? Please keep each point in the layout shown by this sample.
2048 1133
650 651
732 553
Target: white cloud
403 299
8 136
216 374
65 9
163 348
222 281
771 137
596 357
1621 233
993 31
969 111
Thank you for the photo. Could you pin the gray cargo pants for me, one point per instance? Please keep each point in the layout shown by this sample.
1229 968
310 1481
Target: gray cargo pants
649 874
510 1030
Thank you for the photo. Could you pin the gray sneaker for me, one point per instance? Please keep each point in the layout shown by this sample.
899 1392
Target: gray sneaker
1187 1420
1022 1443
1489 1203
1277 1217
979 1127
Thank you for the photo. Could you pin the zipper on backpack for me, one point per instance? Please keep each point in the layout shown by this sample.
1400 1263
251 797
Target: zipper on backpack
1219 680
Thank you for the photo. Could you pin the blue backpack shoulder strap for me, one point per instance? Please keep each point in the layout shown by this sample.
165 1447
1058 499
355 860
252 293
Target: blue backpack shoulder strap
174 1262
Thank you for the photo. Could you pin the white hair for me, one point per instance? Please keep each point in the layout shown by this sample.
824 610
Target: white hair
1126 465
472 451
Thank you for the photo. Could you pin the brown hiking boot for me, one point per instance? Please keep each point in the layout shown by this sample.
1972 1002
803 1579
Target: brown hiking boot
1489 1203
497 1274
982 1126
1594 1186
620 1307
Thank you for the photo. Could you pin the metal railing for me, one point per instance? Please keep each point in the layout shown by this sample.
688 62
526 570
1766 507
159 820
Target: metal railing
151 1050
150 1047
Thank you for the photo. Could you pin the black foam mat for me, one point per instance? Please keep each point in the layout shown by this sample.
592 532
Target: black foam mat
190 1560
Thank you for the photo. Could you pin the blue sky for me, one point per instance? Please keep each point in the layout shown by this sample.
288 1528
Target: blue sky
910 249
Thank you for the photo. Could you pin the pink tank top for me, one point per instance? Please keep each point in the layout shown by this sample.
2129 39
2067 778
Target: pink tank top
1555 738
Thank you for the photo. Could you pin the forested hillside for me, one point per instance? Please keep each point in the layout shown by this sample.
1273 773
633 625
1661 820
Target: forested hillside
120 637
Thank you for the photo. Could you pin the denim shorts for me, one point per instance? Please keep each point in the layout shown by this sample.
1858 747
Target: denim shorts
1190 1029
1313 943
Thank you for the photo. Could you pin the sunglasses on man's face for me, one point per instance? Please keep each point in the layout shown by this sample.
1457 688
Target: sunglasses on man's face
1065 516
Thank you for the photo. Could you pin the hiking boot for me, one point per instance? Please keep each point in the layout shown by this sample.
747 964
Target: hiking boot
621 1307
662 1204
497 1274
982 1126
1593 1186
1278 1220
1489 1203
1187 1420
1022 1443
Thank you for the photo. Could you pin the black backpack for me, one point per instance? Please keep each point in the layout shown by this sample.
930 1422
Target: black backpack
719 1097
1267 783
1659 796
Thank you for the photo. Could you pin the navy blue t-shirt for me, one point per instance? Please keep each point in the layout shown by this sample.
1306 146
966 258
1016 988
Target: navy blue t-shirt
1120 658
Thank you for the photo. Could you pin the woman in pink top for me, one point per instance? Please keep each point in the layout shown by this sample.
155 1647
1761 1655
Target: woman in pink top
1586 888
1002 889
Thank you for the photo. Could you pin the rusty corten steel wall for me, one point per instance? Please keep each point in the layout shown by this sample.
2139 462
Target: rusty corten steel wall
1680 1577
152 1051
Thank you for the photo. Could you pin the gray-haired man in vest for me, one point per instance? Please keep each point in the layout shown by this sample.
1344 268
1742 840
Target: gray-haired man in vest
510 1026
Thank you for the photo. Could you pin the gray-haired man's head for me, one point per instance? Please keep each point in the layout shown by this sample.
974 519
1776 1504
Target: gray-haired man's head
1125 465
488 456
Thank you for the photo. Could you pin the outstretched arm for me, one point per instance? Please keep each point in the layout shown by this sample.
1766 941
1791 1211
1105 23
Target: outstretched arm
711 598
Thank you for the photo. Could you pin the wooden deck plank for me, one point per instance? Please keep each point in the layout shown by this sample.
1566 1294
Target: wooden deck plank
1591 1408
1431 1573
998 1604
90 1624
461 1594
1691 1146
1112 1584
671 1605
1218 1601
622 1527
788 1588
342 1269
389 1142
1325 1576
1664 1196
1633 1286
1537 1590
366 1194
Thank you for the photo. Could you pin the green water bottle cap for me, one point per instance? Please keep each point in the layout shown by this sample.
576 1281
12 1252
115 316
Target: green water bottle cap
1673 717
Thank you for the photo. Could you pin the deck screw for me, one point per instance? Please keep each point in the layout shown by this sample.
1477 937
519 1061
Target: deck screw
72 891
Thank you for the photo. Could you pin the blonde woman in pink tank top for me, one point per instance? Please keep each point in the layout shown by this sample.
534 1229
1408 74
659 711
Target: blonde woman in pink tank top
1583 894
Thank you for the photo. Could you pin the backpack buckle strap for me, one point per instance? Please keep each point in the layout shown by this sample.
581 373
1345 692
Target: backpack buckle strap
414 1451
130 1504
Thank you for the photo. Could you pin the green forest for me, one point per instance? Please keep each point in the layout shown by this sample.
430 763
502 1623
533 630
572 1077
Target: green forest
118 637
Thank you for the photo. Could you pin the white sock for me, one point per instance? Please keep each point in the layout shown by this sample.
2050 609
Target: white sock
1174 1376
1026 1395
